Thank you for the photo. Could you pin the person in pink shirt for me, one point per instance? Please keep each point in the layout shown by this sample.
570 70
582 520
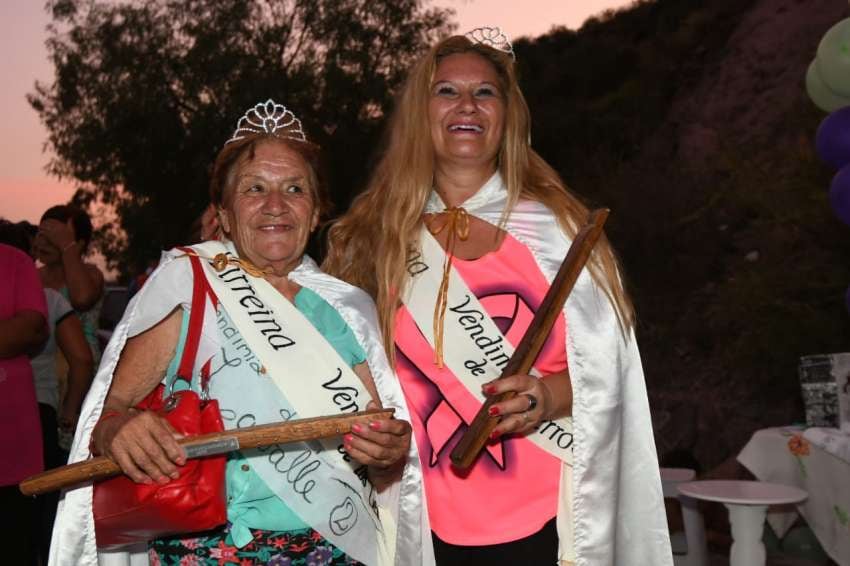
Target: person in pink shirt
23 328
458 235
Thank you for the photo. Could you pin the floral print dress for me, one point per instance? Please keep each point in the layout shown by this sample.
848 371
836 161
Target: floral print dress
305 547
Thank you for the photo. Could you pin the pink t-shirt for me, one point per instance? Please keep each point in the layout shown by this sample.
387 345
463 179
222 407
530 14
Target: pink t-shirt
512 489
20 428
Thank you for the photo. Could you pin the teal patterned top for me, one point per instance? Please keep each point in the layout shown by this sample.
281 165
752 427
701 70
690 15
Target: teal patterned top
250 502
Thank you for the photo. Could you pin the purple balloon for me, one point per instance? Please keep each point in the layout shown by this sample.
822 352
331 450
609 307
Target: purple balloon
833 138
839 195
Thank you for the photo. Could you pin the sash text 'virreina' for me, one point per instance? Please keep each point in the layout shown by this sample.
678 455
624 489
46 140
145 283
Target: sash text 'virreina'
261 316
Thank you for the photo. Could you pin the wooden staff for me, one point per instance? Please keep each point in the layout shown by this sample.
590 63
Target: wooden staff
472 442
300 430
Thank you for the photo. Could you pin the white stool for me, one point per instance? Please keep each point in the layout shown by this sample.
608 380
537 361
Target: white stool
697 549
747 502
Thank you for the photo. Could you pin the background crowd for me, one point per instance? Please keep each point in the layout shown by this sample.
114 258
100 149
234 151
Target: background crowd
61 302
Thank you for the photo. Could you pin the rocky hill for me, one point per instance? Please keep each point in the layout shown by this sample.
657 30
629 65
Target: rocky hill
690 120
748 94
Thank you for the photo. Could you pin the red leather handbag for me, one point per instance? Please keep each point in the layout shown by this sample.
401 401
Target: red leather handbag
126 512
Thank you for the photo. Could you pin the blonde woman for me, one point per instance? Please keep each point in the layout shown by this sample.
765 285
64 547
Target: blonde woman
457 236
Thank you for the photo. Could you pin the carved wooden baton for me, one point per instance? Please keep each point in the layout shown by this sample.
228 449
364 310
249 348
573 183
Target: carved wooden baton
472 442
300 430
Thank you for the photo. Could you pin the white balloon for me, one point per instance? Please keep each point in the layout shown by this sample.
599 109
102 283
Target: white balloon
823 97
833 58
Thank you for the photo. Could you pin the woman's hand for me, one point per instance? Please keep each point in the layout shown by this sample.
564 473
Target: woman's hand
536 400
68 417
142 443
60 234
382 445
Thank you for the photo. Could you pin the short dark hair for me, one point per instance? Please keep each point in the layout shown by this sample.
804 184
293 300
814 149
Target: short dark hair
78 217
16 234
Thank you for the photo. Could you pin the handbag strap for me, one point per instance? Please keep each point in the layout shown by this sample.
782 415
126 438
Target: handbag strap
200 291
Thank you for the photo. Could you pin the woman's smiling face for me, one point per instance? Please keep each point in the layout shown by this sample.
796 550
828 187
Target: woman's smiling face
269 206
466 110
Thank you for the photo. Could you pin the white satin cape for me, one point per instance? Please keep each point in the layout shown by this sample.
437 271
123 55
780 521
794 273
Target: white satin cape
618 506
73 542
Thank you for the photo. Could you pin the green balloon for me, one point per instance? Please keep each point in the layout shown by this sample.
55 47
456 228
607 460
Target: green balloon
823 97
833 58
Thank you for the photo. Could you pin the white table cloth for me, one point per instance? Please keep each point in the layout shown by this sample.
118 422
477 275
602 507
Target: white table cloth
818 461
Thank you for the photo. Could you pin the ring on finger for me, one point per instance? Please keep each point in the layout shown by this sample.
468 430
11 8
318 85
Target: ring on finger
532 402
526 417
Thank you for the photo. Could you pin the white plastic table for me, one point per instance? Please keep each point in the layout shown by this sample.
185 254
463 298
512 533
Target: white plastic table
747 502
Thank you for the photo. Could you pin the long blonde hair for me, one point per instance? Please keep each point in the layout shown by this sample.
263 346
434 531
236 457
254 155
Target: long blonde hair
368 246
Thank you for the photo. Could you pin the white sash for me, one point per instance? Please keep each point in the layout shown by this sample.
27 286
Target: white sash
293 372
474 348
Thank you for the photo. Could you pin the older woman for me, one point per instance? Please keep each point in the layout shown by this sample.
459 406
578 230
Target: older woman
283 341
457 236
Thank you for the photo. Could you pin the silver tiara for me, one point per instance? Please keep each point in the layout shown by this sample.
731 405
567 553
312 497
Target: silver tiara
491 37
269 118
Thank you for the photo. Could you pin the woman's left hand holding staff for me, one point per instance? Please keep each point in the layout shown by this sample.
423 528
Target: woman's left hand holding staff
382 445
536 400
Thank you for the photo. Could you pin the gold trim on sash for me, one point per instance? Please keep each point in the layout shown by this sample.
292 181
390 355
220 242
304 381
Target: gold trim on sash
222 260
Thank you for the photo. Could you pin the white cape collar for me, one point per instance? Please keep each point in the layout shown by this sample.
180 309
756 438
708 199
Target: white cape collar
493 190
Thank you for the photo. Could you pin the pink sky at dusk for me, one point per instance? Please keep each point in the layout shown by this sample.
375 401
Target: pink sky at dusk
26 190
